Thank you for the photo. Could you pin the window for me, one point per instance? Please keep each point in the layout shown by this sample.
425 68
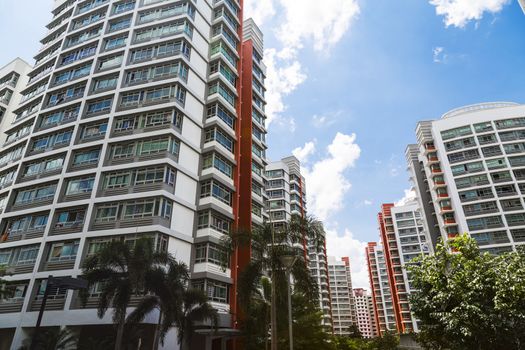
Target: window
505 190
93 131
216 190
511 204
452 133
151 33
215 221
510 123
486 139
491 151
219 163
476 180
99 106
80 186
149 176
515 219
123 6
107 213
139 209
117 180
211 253
86 157
119 24
35 194
28 255
480 208
110 61
471 195
496 163
501 176
484 223
70 218
115 42
105 83
215 134
463 156
63 251
217 110
483 127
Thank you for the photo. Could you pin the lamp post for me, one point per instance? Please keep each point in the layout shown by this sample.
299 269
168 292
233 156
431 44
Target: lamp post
57 282
288 261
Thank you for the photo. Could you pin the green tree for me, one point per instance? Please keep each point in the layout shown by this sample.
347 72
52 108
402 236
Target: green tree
466 299
387 341
268 245
354 331
177 305
166 288
121 271
195 309
54 338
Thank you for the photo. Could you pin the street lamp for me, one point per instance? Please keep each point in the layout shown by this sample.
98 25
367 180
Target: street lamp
57 282
288 261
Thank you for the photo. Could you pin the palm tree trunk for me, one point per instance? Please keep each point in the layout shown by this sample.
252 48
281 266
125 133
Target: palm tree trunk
156 336
120 333
274 313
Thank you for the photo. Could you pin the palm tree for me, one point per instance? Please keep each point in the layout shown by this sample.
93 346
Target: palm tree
55 338
268 245
195 309
166 288
120 270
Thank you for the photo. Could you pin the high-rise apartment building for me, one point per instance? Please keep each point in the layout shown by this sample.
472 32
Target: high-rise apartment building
412 241
341 291
474 158
131 125
13 79
385 319
419 181
286 191
364 312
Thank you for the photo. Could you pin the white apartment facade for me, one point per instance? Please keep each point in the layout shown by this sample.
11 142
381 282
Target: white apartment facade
13 78
364 312
412 241
474 158
342 296
385 319
128 127
286 191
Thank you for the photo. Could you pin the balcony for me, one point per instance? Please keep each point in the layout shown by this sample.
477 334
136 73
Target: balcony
20 235
11 305
126 223
117 191
54 302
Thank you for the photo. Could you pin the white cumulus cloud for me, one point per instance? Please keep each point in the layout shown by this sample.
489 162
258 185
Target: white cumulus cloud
259 10
438 55
459 12
326 180
340 245
322 23
282 78
303 153
299 23
409 196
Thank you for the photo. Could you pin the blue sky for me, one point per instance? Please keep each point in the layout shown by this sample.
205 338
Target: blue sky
348 80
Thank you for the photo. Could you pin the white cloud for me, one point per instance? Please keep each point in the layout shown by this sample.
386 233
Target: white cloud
326 181
302 153
259 10
367 202
282 78
409 196
321 24
438 55
459 12
346 245
320 121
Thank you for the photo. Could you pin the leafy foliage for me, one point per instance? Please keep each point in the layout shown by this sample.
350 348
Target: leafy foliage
268 245
469 300
122 272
